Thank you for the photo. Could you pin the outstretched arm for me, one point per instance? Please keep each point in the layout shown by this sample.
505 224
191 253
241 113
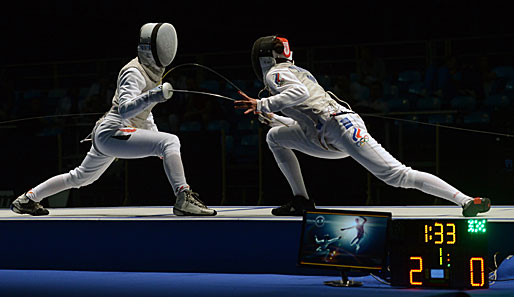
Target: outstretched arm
131 99
334 239
288 89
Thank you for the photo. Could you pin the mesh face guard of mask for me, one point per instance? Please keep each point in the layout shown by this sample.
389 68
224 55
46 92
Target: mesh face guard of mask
157 44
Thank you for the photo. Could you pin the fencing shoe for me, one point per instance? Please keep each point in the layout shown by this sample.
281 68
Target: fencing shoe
23 205
188 204
473 207
295 207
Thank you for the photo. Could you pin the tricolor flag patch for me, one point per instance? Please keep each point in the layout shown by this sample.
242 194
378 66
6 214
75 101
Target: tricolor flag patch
346 123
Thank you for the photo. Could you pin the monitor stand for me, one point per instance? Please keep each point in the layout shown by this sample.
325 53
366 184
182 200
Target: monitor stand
343 282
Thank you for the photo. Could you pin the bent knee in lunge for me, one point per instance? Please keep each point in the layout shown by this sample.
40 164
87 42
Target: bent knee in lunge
169 143
270 137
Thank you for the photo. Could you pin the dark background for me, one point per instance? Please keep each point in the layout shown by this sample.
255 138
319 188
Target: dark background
62 30
40 39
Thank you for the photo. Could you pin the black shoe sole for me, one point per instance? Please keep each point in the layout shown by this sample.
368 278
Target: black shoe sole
300 204
484 206
21 211
276 212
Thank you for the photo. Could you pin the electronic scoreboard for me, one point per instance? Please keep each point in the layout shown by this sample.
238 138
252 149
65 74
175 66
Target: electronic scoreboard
439 253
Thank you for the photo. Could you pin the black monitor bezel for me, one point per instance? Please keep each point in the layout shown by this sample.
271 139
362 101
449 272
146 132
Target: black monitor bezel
353 212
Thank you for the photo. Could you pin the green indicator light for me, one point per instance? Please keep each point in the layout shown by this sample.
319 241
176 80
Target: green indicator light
477 226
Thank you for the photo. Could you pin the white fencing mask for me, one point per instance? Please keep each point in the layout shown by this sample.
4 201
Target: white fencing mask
157 44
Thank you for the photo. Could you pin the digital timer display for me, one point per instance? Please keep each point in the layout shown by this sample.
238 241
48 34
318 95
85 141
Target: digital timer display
439 233
445 253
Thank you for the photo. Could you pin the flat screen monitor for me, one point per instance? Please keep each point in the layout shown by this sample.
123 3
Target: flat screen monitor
344 239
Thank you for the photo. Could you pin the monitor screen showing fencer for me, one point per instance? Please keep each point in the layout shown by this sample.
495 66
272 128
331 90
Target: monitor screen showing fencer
344 239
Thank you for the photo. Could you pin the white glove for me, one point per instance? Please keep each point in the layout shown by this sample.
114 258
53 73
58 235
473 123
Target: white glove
167 90
160 93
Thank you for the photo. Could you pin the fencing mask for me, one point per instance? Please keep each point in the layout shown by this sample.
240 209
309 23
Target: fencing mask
266 51
157 44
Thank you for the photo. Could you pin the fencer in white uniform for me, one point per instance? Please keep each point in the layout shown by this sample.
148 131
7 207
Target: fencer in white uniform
128 131
317 125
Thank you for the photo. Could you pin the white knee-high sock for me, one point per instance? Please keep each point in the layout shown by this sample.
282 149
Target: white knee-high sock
433 185
49 187
290 167
175 171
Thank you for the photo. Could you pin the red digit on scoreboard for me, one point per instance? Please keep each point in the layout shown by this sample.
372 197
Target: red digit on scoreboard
476 262
412 271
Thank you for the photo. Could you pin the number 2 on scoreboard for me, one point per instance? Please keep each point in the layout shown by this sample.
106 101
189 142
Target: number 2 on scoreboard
476 271
415 270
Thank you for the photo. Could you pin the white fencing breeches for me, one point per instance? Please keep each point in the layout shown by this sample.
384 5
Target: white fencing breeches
345 136
125 143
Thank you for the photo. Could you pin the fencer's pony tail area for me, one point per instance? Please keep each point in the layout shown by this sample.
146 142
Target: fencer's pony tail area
283 60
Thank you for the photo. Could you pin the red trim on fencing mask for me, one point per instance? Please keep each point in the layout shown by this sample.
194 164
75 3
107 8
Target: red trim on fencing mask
285 43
